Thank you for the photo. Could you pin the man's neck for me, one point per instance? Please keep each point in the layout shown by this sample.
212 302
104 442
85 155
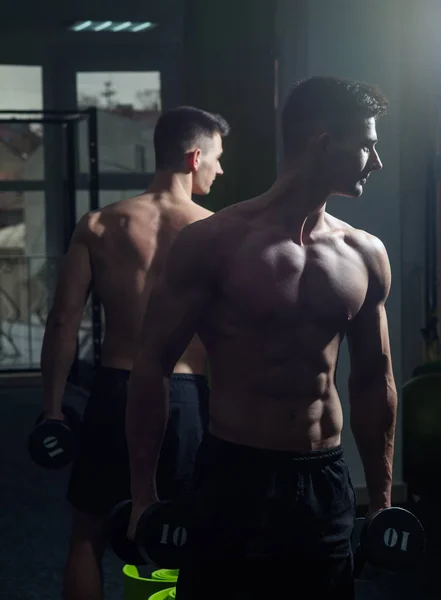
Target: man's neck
299 201
175 185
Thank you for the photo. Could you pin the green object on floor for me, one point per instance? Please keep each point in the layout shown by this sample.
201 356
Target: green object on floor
169 594
142 588
166 575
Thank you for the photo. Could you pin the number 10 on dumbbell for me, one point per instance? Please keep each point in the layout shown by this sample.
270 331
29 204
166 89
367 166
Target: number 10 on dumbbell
161 534
393 537
391 540
173 536
52 443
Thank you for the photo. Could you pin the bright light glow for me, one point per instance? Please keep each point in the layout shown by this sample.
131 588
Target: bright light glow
142 26
82 25
122 26
114 26
102 26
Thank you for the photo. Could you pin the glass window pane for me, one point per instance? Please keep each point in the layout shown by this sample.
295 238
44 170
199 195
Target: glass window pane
25 275
22 223
129 105
21 144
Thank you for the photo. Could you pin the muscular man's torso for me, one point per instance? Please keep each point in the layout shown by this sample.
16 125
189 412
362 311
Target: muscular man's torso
128 244
273 330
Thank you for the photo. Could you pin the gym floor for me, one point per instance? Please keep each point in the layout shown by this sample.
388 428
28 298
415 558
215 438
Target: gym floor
35 523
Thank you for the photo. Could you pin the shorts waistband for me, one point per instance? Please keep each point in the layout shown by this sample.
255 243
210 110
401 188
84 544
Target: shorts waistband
113 372
320 457
195 377
125 374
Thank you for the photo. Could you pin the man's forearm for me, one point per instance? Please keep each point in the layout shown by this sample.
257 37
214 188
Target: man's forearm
57 355
373 418
146 421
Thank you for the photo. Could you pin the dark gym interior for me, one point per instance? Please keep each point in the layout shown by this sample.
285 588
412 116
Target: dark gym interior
239 59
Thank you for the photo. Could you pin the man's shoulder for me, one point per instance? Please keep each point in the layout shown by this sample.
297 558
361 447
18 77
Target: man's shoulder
367 244
205 244
121 212
376 260
370 247
197 230
86 226
129 206
213 225
198 212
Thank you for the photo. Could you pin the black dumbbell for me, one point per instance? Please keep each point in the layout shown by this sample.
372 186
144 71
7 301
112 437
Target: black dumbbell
52 443
161 534
391 540
117 525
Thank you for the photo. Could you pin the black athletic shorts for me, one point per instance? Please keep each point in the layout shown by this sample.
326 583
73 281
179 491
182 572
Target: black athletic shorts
100 475
269 524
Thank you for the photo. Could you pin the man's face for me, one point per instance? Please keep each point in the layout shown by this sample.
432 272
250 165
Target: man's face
207 164
350 161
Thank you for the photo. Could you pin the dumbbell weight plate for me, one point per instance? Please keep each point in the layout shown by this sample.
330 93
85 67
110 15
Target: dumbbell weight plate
361 569
117 525
393 539
356 533
72 419
52 443
355 541
162 533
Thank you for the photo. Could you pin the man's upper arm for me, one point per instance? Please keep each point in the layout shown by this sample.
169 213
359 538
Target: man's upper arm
74 277
181 292
368 333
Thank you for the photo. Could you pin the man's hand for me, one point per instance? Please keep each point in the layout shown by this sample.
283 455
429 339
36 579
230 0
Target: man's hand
56 415
137 512
374 508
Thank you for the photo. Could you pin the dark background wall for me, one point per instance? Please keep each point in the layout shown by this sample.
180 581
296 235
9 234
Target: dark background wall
240 59
396 45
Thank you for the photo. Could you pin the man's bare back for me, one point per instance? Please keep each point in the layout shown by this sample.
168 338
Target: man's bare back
128 242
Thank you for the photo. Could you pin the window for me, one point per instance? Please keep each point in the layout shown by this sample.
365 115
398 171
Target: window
21 144
24 273
23 224
129 105
140 159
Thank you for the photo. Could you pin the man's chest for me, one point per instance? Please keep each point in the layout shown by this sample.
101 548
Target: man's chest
280 283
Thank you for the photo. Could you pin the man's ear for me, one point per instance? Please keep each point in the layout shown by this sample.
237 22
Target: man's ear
194 159
319 144
323 142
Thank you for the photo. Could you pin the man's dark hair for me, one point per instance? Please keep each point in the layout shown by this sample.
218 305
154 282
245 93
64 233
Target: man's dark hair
322 104
178 129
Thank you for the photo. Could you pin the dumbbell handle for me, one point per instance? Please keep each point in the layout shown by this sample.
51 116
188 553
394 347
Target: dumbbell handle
48 420
53 415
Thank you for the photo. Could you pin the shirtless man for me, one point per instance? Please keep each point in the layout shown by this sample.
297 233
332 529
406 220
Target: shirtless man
120 250
272 285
